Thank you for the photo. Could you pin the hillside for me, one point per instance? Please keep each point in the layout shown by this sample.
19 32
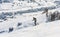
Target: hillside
16 18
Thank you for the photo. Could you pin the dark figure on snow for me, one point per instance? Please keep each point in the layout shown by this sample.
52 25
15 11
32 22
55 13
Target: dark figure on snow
47 14
53 17
10 29
46 11
35 20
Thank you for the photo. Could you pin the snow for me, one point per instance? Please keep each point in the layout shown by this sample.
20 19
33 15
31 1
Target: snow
42 29
27 28
24 5
51 29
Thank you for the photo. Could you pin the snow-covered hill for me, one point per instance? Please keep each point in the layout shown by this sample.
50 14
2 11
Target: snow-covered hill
51 29
19 16
27 28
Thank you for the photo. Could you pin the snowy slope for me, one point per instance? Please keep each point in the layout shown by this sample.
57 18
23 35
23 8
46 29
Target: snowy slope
51 29
25 19
27 28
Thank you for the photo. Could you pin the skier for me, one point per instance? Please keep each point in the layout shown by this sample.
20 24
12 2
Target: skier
35 20
46 11
48 17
